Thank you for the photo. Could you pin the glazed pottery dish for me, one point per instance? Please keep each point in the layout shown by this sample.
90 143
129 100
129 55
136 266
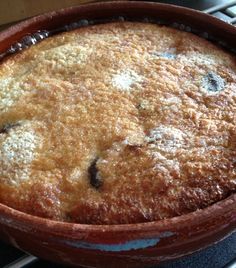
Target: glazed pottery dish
117 134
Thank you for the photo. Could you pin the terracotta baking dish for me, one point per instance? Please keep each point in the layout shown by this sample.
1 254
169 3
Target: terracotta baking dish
132 245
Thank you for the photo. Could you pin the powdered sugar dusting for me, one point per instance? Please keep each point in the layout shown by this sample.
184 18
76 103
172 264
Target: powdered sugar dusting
166 138
10 92
17 152
197 58
171 100
164 164
125 80
169 54
75 174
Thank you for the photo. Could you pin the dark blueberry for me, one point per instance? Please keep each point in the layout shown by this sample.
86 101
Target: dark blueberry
44 33
67 28
75 25
94 177
92 22
12 49
175 25
213 82
222 43
188 29
5 129
232 50
121 18
146 20
204 35
72 26
182 27
83 23
17 47
40 35
28 40
160 22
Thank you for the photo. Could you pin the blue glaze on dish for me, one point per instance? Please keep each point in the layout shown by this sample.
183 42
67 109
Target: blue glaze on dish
126 246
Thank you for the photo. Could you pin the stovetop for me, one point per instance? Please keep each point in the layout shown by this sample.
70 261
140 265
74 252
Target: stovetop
221 255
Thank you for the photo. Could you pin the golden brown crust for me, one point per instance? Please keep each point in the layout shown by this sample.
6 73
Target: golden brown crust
117 123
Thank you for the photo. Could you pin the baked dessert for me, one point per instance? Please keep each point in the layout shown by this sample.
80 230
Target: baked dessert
121 122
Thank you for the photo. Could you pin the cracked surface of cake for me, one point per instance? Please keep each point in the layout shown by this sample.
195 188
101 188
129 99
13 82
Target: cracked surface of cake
117 123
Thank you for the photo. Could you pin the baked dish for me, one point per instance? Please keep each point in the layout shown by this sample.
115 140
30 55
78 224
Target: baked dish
122 122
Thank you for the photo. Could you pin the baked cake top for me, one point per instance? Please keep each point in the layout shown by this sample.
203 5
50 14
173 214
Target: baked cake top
117 123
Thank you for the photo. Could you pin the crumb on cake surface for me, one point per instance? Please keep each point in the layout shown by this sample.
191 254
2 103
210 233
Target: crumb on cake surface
117 123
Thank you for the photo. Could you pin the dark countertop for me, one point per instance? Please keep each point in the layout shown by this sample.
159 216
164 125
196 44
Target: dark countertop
196 4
